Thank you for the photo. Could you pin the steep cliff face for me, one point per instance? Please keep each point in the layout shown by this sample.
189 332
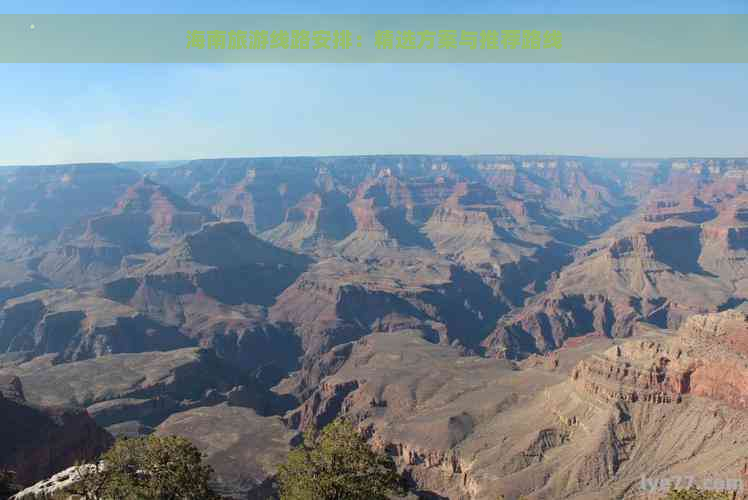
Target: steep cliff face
38 441
389 212
223 263
420 403
146 218
586 424
317 221
707 358
334 302
168 216
132 393
82 262
73 326
689 209
726 244
38 202
660 273
303 383
685 391
17 279
680 254
420 263
260 199
513 242
214 287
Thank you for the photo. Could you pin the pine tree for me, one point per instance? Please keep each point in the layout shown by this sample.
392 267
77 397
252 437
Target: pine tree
337 464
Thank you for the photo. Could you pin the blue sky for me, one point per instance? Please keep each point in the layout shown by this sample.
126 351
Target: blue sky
68 113
369 7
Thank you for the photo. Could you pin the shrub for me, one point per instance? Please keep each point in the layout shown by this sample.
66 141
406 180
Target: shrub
337 464
695 494
149 468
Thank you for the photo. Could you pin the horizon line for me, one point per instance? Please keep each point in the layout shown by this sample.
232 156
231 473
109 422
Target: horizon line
390 155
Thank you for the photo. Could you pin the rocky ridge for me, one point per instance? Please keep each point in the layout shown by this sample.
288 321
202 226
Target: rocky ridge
39 441
400 271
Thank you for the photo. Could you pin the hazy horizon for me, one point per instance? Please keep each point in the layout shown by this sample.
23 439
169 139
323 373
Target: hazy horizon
172 162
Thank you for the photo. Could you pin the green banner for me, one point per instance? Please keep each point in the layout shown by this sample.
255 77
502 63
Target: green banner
374 38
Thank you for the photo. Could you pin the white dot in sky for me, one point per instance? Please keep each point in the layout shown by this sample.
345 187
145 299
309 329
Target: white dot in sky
32 26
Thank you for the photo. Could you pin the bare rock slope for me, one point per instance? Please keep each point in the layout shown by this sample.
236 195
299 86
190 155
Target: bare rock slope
586 423
39 441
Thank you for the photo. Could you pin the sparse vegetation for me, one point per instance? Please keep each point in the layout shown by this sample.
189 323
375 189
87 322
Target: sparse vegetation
157 467
337 464
148 468
696 494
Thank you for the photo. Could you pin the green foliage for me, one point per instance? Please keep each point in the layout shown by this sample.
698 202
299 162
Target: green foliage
60 495
337 464
695 494
149 468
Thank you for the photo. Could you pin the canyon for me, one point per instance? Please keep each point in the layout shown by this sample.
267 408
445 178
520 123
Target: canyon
539 326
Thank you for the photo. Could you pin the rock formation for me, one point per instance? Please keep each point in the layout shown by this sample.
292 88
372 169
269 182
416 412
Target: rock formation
318 220
147 218
659 267
39 441
72 325
546 326
586 425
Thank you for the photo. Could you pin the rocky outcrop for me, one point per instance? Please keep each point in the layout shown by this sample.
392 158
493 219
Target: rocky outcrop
548 325
302 383
390 211
616 380
333 303
224 261
322 407
586 425
38 202
169 216
58 485
131 393
707 358
214 287
74 326
147 218
422 262
39 441
404 393
689 209
257 193
317 221
82 263
327 310
654 273
729 232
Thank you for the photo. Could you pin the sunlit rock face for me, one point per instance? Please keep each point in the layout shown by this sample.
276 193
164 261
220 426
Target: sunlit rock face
499 324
